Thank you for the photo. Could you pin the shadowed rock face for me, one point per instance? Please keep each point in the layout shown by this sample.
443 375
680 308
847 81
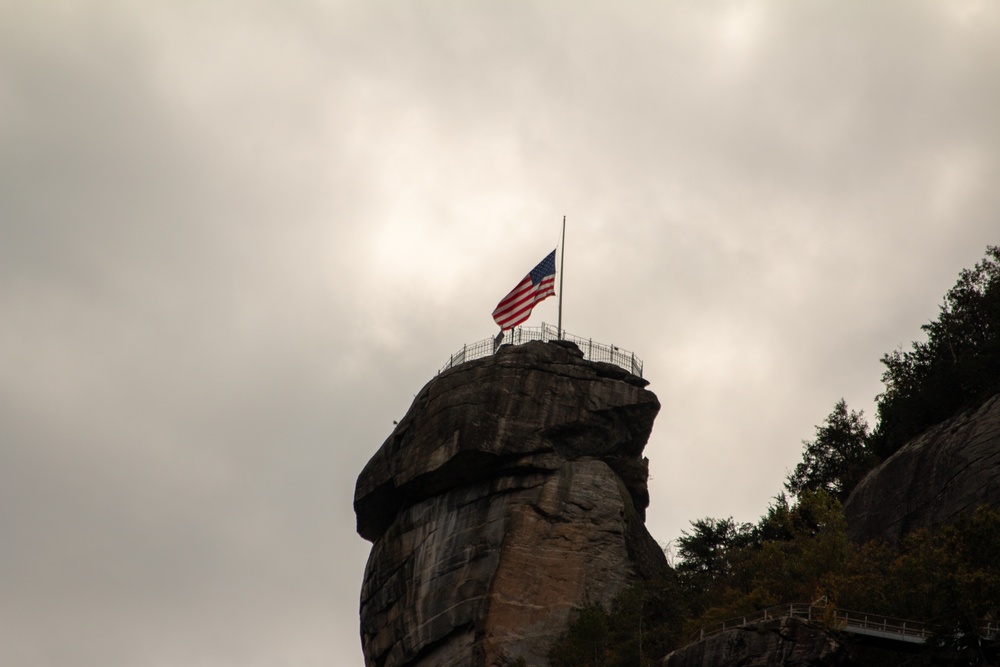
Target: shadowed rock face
789 642
947 471
511 492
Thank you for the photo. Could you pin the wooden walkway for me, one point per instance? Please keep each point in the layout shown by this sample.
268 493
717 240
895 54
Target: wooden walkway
853 622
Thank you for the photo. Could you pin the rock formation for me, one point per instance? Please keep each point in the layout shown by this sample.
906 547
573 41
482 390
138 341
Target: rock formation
947 471
788 642
512 491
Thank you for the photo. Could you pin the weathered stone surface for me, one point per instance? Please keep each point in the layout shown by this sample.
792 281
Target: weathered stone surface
511 492
786 642
947 471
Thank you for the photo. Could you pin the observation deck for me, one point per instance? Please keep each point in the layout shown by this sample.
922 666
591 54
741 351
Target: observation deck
592 350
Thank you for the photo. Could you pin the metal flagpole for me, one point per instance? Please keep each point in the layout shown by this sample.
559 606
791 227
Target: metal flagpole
562 262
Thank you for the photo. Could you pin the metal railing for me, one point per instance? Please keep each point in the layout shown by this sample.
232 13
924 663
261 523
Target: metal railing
592 351
873 625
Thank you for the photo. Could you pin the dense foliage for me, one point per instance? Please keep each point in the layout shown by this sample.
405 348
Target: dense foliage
948 578
957 367
839 457
799 551
641 627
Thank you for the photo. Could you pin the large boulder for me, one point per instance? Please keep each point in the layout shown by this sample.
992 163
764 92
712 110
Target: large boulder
512 492
784 642
944 473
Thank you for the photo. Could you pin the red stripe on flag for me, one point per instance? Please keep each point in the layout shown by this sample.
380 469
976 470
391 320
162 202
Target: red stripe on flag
515 302
516 307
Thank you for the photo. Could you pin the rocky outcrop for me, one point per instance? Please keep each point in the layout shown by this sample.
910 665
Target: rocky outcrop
947 471
786 642
512 492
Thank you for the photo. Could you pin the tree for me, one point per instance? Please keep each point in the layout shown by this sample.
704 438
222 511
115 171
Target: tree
837 459
801 565
642 625
585 643
956 368
712 561
703 550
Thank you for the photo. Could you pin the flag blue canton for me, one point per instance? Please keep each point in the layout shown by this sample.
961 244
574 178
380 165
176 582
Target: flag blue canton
546 267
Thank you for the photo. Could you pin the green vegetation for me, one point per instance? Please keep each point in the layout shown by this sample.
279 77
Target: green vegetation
640 628
839 457
956 368
799 551
948 578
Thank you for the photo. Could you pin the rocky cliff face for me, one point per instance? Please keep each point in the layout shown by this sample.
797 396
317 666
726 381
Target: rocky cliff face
511 492
789 642
946 472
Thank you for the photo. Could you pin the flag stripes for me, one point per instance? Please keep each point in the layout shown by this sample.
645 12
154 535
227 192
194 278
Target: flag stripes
539 284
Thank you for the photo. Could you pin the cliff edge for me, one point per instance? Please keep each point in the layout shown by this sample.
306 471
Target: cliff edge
942 474
512 491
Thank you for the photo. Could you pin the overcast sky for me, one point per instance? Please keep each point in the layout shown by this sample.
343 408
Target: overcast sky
238 237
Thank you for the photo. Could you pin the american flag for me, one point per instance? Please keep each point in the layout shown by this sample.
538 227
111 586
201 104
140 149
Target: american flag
537 285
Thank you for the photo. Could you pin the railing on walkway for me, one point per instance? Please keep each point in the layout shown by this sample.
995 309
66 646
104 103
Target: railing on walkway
872 625
592 351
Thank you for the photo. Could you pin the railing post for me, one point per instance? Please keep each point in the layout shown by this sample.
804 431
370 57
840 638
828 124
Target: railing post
518 335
